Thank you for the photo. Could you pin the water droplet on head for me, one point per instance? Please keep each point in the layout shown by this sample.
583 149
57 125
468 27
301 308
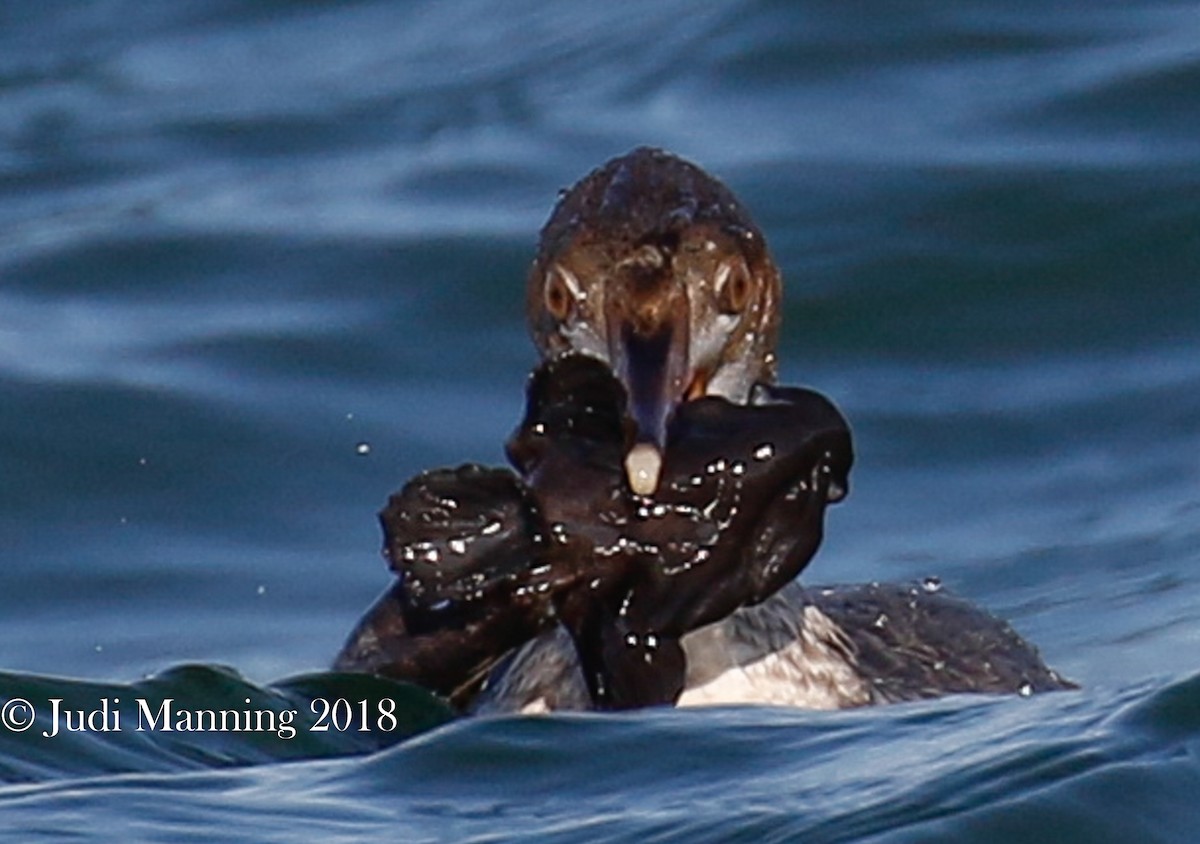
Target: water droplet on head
764 452
1026 690
932 584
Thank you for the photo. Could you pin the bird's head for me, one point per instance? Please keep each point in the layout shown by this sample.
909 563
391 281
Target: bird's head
652 266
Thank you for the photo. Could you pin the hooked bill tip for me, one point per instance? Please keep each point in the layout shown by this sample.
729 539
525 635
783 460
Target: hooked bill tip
643 465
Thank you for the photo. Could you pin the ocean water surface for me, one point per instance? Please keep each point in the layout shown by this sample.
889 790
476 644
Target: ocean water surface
261 263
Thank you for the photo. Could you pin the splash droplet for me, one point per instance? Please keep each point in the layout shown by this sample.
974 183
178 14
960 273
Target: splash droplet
362 449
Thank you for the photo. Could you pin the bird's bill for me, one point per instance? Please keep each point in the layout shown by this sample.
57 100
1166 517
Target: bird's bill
655 369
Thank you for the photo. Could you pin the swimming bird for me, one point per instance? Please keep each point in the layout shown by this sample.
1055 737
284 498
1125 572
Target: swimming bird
654 303
653 267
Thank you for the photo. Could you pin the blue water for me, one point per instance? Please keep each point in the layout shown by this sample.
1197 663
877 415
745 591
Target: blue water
238 241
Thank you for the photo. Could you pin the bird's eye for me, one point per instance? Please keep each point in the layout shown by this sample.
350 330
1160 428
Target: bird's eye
734 287
560 300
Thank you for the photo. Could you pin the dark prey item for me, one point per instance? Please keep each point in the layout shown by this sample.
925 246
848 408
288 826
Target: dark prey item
486 560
